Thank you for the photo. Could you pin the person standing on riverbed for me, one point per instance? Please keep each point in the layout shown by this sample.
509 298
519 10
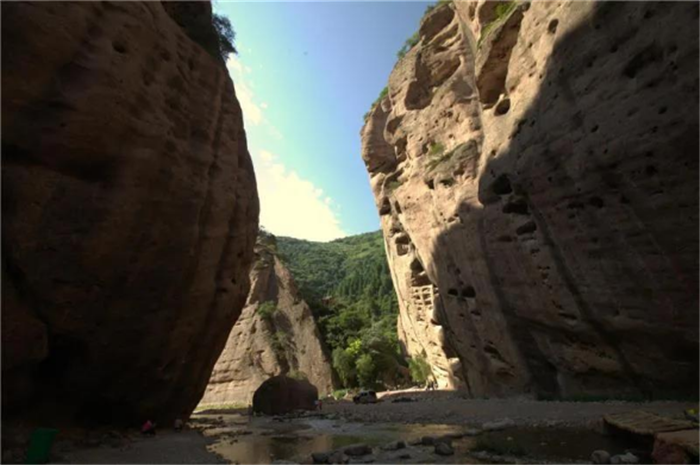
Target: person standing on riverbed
148 428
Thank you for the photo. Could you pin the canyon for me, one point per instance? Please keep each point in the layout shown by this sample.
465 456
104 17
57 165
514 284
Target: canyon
535 171
130 210
535 167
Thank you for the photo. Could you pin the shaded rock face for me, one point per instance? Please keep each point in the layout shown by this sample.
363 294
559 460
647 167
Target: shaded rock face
280 395
262 345
129 213
536 173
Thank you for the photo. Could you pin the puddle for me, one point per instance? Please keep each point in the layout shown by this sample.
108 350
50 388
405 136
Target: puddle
553 444
263 440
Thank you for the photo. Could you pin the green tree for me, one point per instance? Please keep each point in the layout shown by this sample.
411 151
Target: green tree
366 371
420 369
226 36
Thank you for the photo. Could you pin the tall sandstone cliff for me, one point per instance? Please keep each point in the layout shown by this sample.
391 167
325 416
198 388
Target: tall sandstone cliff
535 167
263 345
129 210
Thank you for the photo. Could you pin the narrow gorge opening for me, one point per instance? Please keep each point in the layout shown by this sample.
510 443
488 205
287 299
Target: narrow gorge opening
350 232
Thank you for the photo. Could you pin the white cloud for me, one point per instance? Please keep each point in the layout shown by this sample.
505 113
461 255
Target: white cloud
252 113
291 205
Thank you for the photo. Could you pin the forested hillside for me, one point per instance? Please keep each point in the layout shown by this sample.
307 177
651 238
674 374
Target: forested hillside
348 286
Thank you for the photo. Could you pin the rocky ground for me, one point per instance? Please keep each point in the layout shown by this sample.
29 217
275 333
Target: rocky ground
449 407
387 432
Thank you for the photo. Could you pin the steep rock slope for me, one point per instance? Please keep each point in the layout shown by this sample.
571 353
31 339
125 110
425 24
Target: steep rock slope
535 167
129 211
276 334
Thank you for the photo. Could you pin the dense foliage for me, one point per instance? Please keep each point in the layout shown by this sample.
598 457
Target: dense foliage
348 286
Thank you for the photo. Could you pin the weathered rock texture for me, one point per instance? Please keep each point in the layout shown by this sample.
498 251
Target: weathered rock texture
129 212
262 345
535 167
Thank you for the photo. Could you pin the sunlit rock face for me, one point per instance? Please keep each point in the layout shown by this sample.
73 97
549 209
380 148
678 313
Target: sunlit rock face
276 334
535 167
129 212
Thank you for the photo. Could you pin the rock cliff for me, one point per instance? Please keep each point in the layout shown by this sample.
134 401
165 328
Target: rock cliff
129 210
276 334
535 166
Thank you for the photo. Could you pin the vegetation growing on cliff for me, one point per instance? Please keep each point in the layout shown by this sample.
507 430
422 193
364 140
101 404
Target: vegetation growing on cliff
226 36
503 11
348 286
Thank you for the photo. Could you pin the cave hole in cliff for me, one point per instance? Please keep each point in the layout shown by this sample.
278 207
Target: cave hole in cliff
468 292
119 47
501 186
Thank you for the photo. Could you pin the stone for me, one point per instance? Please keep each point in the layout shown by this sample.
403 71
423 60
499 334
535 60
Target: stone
320 457
625 458
338 457
251 354
504 166
498 425
130 212
676 447
600 456
442 448
405 456
394 445
281 394
357 450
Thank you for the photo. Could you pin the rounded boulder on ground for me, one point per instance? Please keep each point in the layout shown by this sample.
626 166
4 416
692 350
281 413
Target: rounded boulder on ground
281 394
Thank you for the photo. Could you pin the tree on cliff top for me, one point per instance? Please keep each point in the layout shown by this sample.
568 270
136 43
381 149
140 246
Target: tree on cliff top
226 36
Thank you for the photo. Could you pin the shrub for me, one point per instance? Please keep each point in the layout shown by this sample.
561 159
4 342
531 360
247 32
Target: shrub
408 45
382 94
436 148
420 369
226 36
392 185
340 393
298 374
267 310
279 341
503 10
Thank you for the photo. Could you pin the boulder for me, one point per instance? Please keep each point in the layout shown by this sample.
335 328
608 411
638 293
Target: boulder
281 394
320 457
600 456
442 448
395 445
357 450
338 457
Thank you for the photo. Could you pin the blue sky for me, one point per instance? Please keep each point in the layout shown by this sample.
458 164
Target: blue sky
305 75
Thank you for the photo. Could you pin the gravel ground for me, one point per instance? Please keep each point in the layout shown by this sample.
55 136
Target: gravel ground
449 408
167 447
